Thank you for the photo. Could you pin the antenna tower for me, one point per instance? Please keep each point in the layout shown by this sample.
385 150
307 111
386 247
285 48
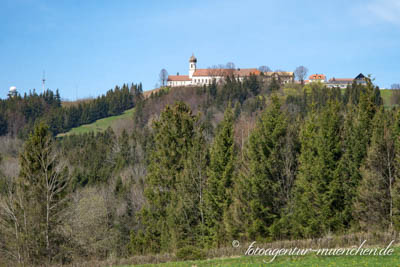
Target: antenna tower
43 82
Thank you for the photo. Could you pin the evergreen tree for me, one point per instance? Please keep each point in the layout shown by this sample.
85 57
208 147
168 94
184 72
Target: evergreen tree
165 218
192 191
316 199
356 139
259 194
396 186
220 179
274 85
212 88
375 196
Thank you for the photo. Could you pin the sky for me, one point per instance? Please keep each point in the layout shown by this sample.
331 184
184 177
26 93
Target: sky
88 47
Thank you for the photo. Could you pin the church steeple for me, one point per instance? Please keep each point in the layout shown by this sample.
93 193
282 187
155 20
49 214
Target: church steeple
192 65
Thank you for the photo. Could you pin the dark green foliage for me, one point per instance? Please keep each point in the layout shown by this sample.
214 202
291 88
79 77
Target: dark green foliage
259 191
252 84
3 125
93 156
356 139
374 205
190 253
354 91
315 202
312 163
274 85
173 216
220 180
18 115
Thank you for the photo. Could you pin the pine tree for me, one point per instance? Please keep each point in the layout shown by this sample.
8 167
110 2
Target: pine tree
396 186
220 179
375 196
315 201
165 218
258 192
356 139
192 191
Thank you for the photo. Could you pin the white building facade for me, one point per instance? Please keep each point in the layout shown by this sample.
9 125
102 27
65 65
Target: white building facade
206 76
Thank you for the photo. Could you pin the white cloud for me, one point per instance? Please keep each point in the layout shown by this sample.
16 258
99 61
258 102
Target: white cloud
385 10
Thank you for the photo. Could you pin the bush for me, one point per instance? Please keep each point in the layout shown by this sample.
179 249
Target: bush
190 253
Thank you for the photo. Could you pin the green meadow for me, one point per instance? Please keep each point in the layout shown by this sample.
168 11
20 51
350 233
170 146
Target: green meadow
102 124
310 260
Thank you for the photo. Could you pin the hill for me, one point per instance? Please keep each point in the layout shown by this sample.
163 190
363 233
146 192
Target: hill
126 118
157 99
155 176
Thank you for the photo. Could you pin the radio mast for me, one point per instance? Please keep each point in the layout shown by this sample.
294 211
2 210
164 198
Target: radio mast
43 82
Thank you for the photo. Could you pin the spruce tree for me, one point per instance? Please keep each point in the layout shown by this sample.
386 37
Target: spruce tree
315 201
167 216
396 186
220 179
192 191
356 139
258 192
375 196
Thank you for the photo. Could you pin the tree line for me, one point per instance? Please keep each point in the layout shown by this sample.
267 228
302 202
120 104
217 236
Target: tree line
333 169
318 162
18 114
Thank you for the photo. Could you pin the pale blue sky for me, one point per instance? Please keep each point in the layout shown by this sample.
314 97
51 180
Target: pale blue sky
87 47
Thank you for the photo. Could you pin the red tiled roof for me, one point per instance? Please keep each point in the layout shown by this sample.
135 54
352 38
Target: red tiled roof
340 80
280 73
176 78
222 72
317 77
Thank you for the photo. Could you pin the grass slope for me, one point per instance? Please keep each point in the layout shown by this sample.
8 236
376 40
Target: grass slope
101 124
386 94
298 261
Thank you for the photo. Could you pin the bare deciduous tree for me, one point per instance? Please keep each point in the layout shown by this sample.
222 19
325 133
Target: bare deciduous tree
301 73
163 76
264 69
230 65
88 221
35 201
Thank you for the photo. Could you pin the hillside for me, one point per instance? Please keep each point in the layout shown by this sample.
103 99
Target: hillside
176 94
119 121
125 118
19 114
268 131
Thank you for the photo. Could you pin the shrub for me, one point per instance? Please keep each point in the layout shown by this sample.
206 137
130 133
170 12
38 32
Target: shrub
190 253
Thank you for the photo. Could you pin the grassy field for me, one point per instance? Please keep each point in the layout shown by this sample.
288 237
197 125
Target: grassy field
102 124
298 261
386 94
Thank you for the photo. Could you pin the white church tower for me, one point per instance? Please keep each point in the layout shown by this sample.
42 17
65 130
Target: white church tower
192 65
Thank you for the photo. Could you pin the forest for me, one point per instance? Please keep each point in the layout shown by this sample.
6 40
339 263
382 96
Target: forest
197 168
19 114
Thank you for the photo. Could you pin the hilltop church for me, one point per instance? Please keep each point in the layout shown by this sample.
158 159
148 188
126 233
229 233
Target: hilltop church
206 76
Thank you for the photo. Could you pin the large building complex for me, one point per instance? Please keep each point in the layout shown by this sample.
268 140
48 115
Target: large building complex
198 77
206 76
